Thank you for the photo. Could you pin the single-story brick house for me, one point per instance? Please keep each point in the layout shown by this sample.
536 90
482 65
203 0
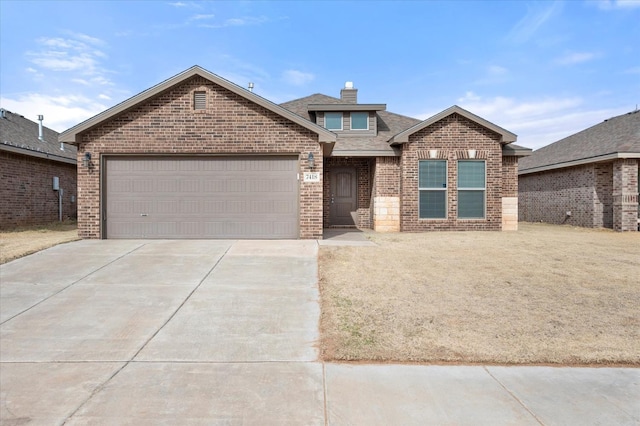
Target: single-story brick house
588 179
30 159
197 156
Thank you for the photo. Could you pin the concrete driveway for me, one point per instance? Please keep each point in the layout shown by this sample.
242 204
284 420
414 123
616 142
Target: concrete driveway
226 332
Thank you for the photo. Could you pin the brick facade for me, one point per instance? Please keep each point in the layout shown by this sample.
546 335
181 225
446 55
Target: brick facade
597 195
625 195
168 124
26 185
386 190
452 137
362 167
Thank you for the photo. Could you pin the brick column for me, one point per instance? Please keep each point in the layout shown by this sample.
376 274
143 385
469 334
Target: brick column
625 195
509 193
386 196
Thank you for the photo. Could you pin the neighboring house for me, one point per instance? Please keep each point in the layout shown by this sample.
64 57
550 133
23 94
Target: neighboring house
588 179
30 158
197 156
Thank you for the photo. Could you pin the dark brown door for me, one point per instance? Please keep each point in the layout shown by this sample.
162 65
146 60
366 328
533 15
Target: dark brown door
343 196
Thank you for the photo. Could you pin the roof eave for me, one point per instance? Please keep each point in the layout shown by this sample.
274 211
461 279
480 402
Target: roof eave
38 154
346 107
69 136
518 152
364 153
582 161
403 137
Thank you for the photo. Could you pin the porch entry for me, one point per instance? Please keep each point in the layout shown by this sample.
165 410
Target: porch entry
343 202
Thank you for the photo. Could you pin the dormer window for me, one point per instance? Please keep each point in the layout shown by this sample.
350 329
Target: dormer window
359 121
333 120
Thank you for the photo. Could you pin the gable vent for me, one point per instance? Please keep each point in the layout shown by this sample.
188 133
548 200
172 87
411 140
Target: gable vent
200 100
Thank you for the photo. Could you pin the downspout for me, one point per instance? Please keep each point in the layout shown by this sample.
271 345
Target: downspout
60 204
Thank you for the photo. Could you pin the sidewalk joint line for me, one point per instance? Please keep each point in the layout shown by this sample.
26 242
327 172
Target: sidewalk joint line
181 304
513 396
324 391
126 363
72 284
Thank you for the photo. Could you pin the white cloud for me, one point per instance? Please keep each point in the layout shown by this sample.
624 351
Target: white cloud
493 74
618 4
60 61
537 122
535 18
81 81
201 17
35 73
186 4
60 112
497 70
104 97
576 58
76 55
238 22
86 38
297 78
635 70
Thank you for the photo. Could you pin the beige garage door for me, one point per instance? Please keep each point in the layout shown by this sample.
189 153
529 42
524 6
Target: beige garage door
201 197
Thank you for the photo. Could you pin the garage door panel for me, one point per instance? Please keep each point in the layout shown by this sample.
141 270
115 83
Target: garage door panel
216 197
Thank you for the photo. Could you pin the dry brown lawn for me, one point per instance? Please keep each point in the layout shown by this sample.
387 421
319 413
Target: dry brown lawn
23 241
543 295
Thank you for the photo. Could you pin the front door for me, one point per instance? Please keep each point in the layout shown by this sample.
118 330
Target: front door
343 196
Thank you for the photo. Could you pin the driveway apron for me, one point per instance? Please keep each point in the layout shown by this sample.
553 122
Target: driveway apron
148 332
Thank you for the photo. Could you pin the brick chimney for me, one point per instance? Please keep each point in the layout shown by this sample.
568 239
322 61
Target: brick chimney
349 94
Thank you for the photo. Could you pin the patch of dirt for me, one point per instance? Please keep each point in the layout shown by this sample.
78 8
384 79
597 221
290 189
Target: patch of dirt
20 242
545 294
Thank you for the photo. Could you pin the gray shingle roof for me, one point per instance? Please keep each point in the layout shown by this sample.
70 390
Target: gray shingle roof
71 134
389 124
616 135
20 135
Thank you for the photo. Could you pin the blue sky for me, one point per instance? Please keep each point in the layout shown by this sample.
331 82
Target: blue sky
542 70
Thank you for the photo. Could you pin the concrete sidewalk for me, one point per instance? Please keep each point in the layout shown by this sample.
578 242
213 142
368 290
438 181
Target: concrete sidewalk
226 332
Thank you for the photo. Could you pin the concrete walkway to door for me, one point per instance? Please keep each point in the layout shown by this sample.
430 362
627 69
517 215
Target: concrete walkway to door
226 332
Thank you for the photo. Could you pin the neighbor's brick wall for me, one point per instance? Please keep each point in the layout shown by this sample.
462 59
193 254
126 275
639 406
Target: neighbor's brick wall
625 195
167 124
597 195
452 137
603 197
363 187
548 196
26 188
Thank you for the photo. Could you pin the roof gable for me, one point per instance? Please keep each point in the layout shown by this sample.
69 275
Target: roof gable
70 135
403 137
617 137
388 124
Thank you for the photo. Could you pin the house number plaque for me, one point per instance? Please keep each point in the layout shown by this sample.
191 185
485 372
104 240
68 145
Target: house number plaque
311 177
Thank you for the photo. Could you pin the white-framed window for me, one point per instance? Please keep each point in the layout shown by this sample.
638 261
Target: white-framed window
432 188
359 121
333 120
472 178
